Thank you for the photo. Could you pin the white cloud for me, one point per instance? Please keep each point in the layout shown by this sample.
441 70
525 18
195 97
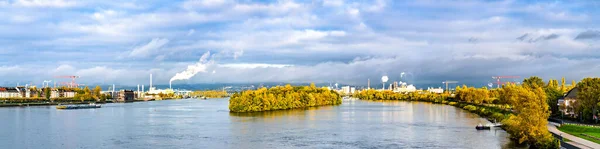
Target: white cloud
22 19
149 48
45 3
254 65
191 4
191 32
335 3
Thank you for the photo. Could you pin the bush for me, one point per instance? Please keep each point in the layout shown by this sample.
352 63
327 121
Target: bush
497 116
470 108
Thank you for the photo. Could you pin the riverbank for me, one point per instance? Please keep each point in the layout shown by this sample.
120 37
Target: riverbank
45 104
71 102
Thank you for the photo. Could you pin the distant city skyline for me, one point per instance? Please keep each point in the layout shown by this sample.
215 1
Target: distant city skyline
298 41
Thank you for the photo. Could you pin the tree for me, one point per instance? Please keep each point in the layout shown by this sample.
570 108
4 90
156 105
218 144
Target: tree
533 82
47 93
563 88
552 95
529 125
588 96
96 92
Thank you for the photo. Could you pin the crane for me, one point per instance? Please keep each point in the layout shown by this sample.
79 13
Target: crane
69 84
449 82
503 77
46 83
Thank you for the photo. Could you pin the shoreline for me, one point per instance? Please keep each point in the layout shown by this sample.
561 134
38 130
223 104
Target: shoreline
39 104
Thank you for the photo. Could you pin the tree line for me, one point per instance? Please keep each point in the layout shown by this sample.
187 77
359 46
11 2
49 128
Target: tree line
282 97
529 104
44 95
210 93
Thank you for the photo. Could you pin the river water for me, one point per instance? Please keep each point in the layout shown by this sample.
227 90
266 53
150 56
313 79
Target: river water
193 123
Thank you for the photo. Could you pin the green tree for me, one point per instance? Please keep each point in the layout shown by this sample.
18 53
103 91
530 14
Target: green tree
563 88
588 95
533 82
47 93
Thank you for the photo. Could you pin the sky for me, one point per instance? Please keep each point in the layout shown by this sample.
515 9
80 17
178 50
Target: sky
296 41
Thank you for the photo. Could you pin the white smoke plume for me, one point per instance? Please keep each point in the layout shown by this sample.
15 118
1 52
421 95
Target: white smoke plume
194 69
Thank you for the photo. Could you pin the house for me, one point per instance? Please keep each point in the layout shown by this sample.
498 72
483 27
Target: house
68 94
125 96
9 92
54 94
565 103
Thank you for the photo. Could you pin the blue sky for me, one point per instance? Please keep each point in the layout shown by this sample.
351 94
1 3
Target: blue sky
121 42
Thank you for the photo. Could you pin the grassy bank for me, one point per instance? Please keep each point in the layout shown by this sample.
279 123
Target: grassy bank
584 132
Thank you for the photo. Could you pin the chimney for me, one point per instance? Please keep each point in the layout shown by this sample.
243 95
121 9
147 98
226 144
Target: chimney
150 82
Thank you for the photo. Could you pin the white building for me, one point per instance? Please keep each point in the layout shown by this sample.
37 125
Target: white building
6 92
348 90
54 94
435 90
404 88
68 94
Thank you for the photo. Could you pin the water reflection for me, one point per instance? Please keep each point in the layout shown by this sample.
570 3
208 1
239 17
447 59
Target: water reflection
208 124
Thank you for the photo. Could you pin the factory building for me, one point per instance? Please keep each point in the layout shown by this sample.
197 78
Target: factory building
125 96
348 90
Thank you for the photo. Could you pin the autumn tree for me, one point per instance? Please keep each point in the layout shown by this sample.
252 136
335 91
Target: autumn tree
96 92
533 82
529 124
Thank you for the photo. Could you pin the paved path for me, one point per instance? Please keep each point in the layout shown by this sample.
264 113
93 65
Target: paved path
576 141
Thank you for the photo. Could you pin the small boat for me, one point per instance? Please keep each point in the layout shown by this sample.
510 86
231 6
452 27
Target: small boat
68 107
496 124
482 127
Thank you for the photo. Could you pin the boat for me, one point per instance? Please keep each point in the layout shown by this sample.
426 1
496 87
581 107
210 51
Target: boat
482 127
68 107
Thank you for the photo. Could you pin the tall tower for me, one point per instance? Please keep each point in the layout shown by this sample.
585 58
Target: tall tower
368 83
150 82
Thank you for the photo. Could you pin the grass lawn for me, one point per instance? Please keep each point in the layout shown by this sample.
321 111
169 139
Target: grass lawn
580 130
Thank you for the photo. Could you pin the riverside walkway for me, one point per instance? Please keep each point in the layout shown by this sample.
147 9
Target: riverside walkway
575 141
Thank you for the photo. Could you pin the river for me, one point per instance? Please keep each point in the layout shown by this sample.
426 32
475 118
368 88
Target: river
193 123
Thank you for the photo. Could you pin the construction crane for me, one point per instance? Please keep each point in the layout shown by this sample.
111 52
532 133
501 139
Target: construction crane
69 84
449 82
503 77
46 83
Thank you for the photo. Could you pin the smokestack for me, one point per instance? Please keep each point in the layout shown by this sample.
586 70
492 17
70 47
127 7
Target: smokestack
113 88
138 91
150 81
368 83
170 85
142 88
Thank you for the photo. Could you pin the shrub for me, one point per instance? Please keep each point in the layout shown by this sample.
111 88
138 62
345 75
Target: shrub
470 108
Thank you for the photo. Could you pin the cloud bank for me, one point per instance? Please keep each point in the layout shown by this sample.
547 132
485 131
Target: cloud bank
342 41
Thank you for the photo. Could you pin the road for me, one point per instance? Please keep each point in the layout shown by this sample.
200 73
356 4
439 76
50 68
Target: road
576 141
